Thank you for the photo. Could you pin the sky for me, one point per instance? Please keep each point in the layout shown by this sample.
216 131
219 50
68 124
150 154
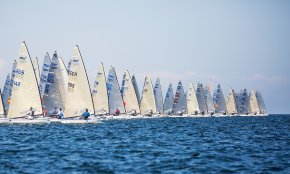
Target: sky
239 44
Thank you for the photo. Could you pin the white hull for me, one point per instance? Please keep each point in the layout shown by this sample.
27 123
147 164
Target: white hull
79 121
30 121
4 120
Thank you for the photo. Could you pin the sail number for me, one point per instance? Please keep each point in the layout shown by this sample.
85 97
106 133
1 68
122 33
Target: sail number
19 71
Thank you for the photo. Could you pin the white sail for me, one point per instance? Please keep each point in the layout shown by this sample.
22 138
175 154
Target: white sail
200 98
78 97
254 105
231 102
192 103
114 93
53 97
169 100
62 79
208 100
134 81
6 93
261 103
44 74
36 68
158 96
129 96
179 105
100 93
147 104
219 100
25 92
1 105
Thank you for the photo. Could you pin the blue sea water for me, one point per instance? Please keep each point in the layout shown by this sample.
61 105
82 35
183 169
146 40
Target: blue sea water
159 145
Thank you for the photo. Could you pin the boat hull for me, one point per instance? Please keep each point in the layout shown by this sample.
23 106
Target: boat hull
4 120
30 121
79 121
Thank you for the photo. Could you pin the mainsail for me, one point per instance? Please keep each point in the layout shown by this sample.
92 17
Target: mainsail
1 105
208 100
169 100
192 103
114 93
231 102
44 74
100 93
219 100
53 96
179 105
78 96
36 68
243 102
158 96
261 103
147 101
200 98
25 93
134 81
129 96
6 93
254 105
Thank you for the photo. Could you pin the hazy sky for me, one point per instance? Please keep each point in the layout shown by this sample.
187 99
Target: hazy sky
240 44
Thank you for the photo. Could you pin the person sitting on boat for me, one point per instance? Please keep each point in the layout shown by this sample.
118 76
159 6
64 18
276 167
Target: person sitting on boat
30 113
134 113
60 114
45 112
86 114
117 112
54 112
150 113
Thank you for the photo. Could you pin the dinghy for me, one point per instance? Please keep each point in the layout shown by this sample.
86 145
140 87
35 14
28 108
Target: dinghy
208 101
158 96
78 94
134 81
201 99
129 96
219 102
147 105
44 74
114 94
231 103
25 93
100 93
192 103
179 105
2 111
256 104
262 106
54 94
243 103
168 101
6 93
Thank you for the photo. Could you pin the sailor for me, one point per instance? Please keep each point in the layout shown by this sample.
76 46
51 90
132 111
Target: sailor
45 112
30 113
134 112
117 112
54 112
150 112
60 114
86 114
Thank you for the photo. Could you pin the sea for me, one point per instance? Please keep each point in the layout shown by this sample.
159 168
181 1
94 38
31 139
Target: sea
154 145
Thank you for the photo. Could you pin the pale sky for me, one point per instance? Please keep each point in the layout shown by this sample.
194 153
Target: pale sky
240 44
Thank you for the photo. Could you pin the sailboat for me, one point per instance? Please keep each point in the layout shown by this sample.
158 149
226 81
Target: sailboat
231 103
200 98
243 103
179 105
158 96
36 68
44 74
168 101
114 93
78 97
54 94
129 96
255 104
2 111
100 93
219 101
262 106
6 93
25 93
192 102
148 105
134 81
208 100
